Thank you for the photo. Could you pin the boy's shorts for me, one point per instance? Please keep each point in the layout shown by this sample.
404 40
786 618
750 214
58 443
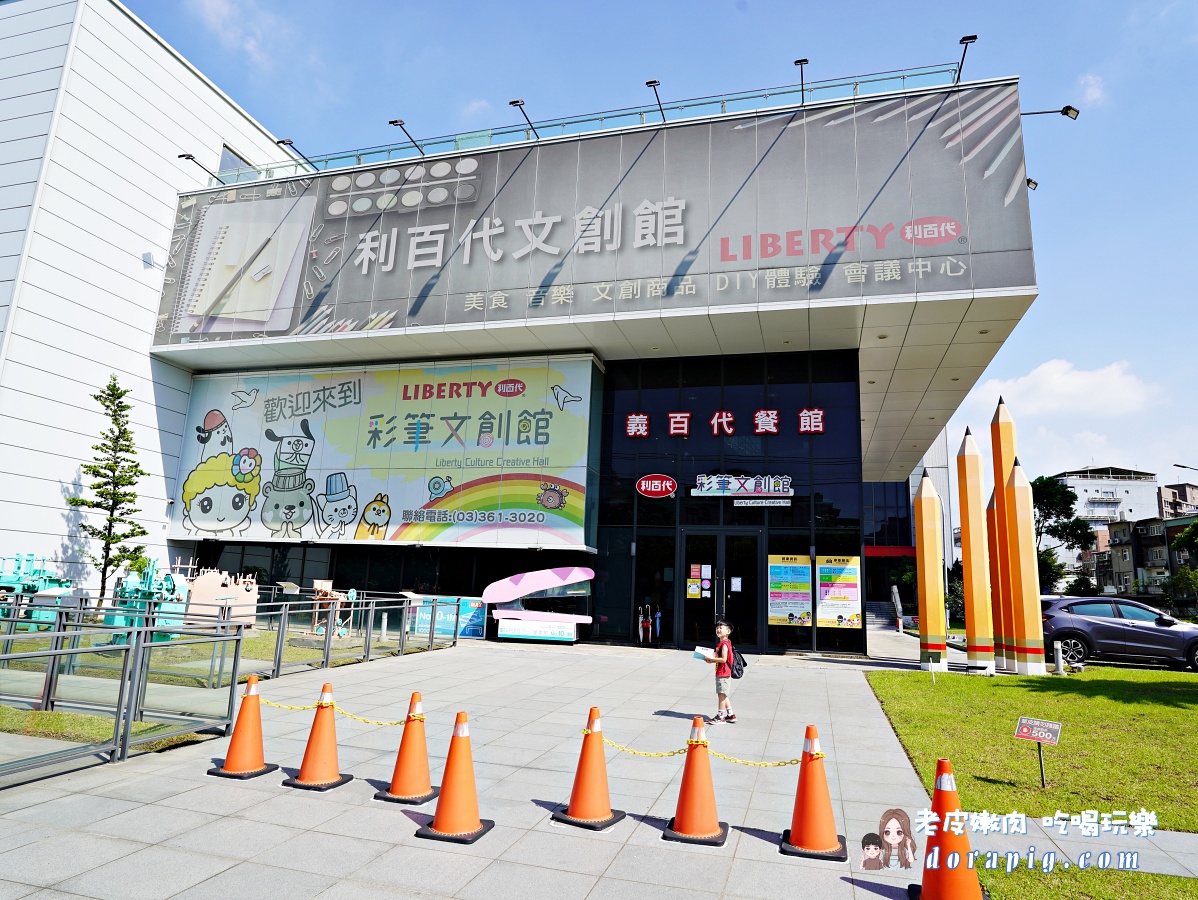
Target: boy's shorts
723 685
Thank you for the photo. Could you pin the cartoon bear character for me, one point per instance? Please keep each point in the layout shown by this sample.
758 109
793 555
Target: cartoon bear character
287 504
375 519
215 435
338 506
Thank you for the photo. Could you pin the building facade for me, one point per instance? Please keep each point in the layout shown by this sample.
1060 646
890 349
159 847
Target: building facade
94 112
1108 493
701 357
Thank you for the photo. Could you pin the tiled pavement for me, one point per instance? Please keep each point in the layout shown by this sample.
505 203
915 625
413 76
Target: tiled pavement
158 827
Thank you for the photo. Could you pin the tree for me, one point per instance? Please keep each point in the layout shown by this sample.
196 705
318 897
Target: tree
1081 586
1181 588
954 595
1055 505
1187 541
1052 570
115 470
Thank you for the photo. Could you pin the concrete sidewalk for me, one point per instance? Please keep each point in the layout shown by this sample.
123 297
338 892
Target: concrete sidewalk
158 827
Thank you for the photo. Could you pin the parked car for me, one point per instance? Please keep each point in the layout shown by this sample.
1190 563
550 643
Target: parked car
1114 627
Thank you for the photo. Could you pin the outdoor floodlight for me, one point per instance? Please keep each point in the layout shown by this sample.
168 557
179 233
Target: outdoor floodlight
653 83
801 63
191 157
1070 111
288 142
965 42
398 123
1032 185
519 104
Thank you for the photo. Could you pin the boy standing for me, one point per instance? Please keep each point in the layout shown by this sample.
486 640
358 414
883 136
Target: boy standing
723 672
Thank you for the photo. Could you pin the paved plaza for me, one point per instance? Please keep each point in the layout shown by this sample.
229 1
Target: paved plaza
158 827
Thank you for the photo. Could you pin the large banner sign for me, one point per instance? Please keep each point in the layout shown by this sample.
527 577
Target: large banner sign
915 195
482 454
839 591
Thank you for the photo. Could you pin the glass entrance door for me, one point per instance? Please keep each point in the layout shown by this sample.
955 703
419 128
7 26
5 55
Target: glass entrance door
721 578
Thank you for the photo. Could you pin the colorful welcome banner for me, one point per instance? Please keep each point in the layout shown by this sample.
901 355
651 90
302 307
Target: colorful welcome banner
487 453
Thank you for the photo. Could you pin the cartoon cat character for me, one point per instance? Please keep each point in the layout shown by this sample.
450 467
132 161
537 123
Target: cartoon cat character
287 504
337 506
375 519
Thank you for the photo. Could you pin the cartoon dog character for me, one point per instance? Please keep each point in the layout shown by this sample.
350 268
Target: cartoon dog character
338 506
294 451
287 504
375 519
215 435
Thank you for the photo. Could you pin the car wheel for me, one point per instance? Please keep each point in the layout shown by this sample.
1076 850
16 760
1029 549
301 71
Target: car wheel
1192 656
1074 650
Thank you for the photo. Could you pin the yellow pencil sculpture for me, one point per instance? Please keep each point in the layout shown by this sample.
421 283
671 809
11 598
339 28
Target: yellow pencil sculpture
1002 448
992 542
929 557
1025 574
979 629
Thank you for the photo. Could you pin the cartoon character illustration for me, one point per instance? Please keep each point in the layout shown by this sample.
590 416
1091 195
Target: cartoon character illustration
871 853
552 496
337 506
215 435
438 487
220 493
244 398
898 847
294 451
287 504
375 519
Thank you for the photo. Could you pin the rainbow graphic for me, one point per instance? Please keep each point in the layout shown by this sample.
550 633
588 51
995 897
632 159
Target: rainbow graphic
508 492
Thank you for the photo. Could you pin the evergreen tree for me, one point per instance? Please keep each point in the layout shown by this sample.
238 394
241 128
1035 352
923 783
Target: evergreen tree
115 470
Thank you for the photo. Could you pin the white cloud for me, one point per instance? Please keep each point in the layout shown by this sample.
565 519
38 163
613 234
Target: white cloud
1057 387
241 25
1093 90
474 107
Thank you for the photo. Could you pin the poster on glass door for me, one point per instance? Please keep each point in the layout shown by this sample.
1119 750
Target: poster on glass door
839 591
789 593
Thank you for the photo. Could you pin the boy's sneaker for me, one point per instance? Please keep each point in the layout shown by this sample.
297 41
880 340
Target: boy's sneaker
718 718
730 718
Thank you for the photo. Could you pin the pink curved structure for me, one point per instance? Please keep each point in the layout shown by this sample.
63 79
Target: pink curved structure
518 586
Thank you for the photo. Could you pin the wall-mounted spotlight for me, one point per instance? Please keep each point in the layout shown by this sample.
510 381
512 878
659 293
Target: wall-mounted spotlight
964 42
190 156
654 84
801 63
519 104
1071 112
398 123
1032 185
289 143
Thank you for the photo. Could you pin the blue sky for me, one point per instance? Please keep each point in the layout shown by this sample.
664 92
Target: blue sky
1102 370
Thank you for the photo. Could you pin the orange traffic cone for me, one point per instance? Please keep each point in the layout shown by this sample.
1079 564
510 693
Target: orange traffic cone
246 757
590 805
318 772
947 874
695 819
456 819
812 829
410 782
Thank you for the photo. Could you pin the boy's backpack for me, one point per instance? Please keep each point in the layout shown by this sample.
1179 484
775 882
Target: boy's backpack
738 664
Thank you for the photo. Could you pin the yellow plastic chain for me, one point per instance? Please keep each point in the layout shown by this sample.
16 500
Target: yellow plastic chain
343 712
692 743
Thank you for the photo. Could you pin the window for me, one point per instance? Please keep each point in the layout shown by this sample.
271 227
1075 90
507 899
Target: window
230 160
1137 613
1101 610
1126 554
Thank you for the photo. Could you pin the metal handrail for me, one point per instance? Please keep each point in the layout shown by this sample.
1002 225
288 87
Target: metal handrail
716 104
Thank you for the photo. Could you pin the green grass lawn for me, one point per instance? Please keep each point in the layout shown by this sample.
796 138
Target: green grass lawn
1126 743
78 728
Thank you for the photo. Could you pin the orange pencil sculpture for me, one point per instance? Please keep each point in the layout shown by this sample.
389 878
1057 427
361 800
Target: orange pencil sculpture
929 557
1025 575
1002 448
979 627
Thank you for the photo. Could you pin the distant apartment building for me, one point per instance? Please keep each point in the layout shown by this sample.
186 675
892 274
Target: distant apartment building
1175 501
1109 494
